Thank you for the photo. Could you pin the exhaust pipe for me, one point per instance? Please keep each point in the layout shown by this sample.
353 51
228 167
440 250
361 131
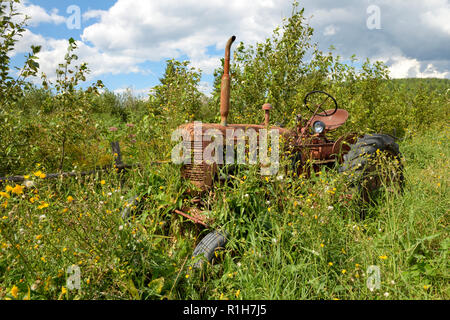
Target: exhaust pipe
225 85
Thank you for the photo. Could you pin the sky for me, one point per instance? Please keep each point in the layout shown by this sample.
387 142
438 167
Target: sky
126 42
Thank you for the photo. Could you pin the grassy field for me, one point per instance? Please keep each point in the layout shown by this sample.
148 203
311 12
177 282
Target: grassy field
290 238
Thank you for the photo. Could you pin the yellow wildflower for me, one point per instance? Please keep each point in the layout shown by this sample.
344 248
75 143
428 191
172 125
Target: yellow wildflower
383 257
4 194
238 293
70 199
43 205
103 182
8 188
14 291
63 290
17 189
38 173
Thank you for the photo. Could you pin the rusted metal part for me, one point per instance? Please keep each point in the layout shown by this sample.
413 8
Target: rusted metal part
266 107
201 174
225 85
197 219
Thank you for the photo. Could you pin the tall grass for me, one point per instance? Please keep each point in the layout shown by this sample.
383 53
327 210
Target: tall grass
289 238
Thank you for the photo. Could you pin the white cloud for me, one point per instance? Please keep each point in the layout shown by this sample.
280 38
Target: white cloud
411 68
330 30
439 19
39 15
156 30
414 35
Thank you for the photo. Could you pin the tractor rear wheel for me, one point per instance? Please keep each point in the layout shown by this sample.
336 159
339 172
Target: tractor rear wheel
373 162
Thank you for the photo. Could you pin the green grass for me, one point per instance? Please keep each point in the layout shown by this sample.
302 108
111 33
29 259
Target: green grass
290 238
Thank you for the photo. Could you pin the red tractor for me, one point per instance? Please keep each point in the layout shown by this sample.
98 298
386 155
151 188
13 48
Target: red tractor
307 144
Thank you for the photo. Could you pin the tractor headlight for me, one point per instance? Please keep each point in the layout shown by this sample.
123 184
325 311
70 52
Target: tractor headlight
318 126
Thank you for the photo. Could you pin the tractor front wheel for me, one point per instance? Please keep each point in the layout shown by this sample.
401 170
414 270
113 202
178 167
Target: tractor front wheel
213 241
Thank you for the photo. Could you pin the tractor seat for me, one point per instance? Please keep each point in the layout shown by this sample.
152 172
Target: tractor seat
331 122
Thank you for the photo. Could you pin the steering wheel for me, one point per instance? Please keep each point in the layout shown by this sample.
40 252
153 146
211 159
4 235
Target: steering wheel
315 102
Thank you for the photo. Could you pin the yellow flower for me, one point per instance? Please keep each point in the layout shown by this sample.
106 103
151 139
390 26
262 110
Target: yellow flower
4 194
426 287
187 276
43 259
330 263
383 257
102 182
39 236
26 176
344 271
322 245
238 293
17 189
42 175
63 290
8 188
37 173
14 291
65 210
5 204
69 199
43 205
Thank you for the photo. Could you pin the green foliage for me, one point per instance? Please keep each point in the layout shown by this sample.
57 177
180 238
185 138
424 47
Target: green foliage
70 117
177 98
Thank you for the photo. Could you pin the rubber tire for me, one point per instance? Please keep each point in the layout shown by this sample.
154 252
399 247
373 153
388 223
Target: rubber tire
357 159
208 245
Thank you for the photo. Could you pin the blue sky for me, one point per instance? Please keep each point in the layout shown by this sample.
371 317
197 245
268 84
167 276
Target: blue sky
126 42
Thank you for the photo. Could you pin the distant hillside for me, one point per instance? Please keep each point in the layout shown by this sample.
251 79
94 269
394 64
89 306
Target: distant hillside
423 83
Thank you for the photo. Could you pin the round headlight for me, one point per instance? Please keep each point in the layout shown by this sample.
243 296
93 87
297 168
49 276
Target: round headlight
318 127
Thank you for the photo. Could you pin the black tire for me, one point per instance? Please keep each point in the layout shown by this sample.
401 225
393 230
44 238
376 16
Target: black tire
361 164
208 245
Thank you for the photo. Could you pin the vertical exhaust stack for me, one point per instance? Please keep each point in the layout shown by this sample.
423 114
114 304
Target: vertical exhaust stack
225 85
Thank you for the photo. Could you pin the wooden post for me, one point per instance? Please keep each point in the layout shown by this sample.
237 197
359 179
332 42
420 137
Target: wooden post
116 152
118 161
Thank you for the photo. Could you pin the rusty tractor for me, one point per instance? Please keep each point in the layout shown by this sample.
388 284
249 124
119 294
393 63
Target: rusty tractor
307 143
